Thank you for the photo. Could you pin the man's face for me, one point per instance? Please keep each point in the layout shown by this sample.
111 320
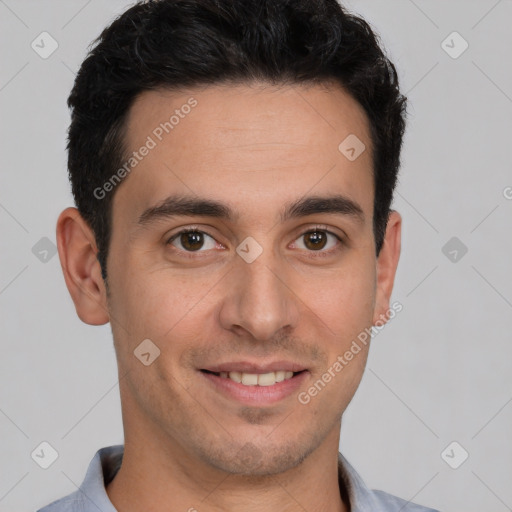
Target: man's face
299 303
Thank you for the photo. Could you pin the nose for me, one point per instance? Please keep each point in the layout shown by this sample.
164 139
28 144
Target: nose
259 301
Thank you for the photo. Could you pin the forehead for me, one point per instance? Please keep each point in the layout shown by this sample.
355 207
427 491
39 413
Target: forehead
249 146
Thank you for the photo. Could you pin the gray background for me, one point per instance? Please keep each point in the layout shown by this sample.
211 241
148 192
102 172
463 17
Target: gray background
439 372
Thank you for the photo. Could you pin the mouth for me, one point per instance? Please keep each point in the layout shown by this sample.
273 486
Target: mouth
255 385
256 379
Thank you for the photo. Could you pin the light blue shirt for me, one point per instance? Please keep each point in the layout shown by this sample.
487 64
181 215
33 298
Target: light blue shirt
92 496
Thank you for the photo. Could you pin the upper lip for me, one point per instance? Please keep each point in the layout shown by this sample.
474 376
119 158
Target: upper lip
255 367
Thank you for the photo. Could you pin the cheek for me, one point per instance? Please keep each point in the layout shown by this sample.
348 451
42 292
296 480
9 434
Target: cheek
161 302
343 299
167 311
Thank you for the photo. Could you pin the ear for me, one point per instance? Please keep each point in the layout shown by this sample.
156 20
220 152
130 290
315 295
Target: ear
387 263
77 252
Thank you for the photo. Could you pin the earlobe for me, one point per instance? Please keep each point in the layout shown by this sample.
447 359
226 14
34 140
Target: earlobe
387 263
82 272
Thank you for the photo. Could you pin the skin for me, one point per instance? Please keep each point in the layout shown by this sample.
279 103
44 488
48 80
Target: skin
253 147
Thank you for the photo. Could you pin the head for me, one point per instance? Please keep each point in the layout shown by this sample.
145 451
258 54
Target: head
234 119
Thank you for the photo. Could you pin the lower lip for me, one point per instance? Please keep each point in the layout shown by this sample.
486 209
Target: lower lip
256 395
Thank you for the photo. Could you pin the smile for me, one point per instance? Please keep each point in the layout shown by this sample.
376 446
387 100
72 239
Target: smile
255 389
256 379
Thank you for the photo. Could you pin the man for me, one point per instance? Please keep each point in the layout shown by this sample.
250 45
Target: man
233 165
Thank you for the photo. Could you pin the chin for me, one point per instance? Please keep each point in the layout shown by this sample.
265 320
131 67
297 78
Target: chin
253 460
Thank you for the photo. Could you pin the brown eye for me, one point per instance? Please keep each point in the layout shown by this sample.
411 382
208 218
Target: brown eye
315 240
192 240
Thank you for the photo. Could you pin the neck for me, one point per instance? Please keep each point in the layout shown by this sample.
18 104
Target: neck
152 477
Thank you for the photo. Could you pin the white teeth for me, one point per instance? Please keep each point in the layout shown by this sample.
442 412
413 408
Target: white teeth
249 379
267 379
280 375
258 379
236 376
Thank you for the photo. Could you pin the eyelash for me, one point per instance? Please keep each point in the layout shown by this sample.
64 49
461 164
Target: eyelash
314 254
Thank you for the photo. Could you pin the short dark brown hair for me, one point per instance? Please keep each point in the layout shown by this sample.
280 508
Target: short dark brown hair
184 43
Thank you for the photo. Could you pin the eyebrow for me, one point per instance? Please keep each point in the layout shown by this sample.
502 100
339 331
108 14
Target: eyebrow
180 205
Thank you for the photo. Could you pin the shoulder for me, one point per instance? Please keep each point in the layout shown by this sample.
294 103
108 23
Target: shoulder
70 503
363 499
91 495
389 503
